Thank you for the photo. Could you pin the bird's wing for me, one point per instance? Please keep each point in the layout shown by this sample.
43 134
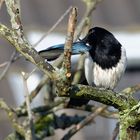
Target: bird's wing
55 51
89 65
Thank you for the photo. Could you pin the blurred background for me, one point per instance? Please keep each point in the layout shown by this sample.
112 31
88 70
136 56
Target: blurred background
120 17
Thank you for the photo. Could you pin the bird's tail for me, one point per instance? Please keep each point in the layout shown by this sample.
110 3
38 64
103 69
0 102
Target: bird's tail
52 52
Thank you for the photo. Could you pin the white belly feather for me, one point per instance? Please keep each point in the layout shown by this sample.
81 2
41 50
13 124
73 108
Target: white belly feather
106 78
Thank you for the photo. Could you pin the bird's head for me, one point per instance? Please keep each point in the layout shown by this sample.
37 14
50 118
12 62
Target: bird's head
105 48
97 35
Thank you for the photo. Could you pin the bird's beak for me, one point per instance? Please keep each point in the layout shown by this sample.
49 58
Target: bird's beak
55 51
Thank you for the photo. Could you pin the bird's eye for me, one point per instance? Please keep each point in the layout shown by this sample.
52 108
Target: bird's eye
91 31
87 44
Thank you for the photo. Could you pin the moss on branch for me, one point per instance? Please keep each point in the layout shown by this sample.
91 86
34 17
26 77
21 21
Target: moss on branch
108 97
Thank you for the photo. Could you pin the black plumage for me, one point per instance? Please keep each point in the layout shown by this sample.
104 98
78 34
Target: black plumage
105 50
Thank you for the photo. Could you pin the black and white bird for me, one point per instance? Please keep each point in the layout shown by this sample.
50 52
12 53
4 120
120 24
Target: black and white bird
105 62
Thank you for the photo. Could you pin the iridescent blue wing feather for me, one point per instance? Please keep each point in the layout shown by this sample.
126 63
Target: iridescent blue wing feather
55 51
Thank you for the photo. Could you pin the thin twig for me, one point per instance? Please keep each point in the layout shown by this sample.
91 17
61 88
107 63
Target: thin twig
13 8
69 41
45 109
31 133
25 49
2 75
115 132
17 39
35 92
58 62
91 108
84 122
29 74
12 117
65 72
26 94
1 3
3 64
53 27
131 90
91 5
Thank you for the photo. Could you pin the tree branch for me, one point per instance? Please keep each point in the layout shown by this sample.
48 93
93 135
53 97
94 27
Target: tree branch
8 65
53 27
13 118
25 49
84 122
1 3
131 90
90 7
69 41
30 125
108 97
65 72
115 132
17 39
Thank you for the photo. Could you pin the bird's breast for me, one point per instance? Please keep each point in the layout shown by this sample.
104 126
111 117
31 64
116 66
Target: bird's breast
106 78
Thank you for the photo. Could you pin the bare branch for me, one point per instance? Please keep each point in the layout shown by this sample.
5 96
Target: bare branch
65 72
53 27
35 92
3 64
8 65
115 132
17 39
31 133
1 3
91 5
69 41
46 109
131 90
13 8
106 113
25 49
13 118
84 122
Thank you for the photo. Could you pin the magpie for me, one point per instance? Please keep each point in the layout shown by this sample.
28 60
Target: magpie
105 60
